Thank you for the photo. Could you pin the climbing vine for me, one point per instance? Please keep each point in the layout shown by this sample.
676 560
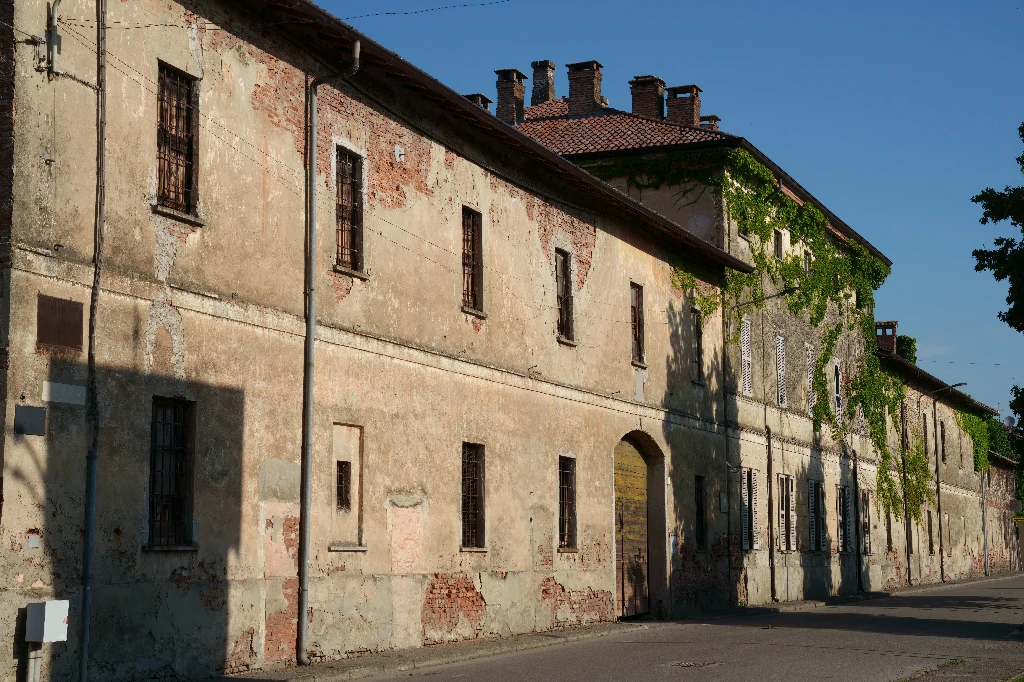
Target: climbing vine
827 274
977 429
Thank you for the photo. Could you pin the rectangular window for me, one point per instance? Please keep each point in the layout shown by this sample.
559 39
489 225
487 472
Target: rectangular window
924 431
931 536
170 479
349 210
472 495
697 372
563 291
472 260
780 370
745 359
888 531
807 262
816 523
567 502
812 397
787 514
942 440
344 486
865 514
177 138
636 305
58 323
777 238
844 518
838 378
748 509
700 530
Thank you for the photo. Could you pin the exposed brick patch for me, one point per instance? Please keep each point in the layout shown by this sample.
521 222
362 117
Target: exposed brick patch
478 324
243 653
576 607
545 552
449 160
290 535
282 626
453 609
342 285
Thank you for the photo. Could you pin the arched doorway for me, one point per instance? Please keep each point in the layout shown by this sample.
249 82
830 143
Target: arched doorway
639 526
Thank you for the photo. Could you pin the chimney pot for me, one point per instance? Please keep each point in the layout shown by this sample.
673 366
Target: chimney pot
684 104
885 335
480 99
584 88
511 93
711 122
648 96
543 82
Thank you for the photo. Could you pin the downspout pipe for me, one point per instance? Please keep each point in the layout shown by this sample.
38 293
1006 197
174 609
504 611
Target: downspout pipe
93 388
771 513
305 512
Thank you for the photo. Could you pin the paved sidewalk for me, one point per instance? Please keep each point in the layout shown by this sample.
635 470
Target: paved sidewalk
393 663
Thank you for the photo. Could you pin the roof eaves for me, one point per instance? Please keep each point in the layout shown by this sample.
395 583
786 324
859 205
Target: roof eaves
373 50
908 368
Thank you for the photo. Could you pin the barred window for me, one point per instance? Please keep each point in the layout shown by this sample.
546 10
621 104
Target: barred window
942 439
472 495
344 486
177 139
697 360
170 482
349 210
472 260
567 502
636 304
58 323
563 291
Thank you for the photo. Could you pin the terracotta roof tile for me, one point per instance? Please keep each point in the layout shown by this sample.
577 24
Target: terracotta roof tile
608 130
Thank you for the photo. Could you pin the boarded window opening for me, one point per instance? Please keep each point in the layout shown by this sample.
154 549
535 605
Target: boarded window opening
58 323
563 289
472 260
177 140
472 495
567 503
349 210
170 487
636 304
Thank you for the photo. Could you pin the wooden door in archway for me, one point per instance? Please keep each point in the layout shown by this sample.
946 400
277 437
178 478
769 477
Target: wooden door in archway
631 589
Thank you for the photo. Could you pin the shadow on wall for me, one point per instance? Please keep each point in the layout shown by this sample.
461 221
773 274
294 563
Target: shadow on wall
169 504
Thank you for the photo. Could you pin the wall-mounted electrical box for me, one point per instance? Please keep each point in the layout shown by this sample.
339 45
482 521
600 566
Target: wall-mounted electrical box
47 621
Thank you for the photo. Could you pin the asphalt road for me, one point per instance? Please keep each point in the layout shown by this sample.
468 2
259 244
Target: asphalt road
962 632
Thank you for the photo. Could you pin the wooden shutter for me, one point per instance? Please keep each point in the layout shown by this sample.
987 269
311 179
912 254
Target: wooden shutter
822 515
812 397
357 213
754 530
812 516
745 507
746 379
848 501
780 368
791 492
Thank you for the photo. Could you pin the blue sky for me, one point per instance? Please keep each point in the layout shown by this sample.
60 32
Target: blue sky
892 114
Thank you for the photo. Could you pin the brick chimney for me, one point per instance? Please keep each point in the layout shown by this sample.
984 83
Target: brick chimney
684 104
885 335
584 88
711 122
511 92
648 96
543 82
480 99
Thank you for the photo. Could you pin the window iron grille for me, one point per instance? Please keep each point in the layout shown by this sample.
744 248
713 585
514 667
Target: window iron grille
170 474
177 139
472 495
567 502
563 288
349 210
344 486
472 260
636 294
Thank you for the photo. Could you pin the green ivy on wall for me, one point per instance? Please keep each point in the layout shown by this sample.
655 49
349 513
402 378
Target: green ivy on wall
841 276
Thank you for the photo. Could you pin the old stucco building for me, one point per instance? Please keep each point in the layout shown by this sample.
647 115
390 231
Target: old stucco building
520 420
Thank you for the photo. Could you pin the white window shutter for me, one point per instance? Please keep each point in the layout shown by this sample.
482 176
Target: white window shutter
812 397
745 357
755 534
791 485
812 522
745 507
780 368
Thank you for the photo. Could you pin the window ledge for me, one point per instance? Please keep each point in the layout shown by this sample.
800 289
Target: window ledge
473 311
566 342
568 550
170 548
178 215
639 364
342 270
346 548
473 549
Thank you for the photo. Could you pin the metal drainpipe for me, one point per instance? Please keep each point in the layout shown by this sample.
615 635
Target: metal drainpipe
771 525
307 385
94 410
